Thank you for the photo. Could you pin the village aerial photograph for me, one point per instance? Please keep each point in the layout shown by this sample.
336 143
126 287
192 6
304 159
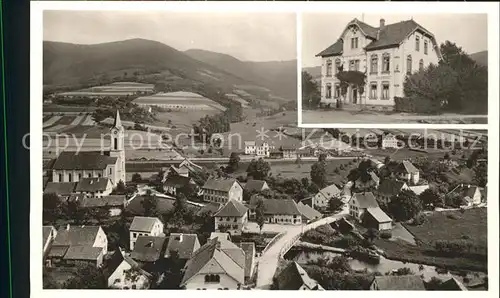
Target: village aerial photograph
176 161
371 68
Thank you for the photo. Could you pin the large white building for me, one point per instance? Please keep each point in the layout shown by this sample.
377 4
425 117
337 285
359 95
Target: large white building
261 149
387 54
73 166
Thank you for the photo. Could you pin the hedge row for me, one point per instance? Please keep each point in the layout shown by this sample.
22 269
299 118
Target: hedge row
416 105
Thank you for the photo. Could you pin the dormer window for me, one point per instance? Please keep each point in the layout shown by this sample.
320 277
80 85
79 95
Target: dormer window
417 43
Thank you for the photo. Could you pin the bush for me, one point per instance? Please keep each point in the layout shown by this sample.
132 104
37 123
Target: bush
408 105
419 220
386 234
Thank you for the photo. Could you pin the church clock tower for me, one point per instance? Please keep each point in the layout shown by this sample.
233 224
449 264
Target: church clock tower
118 149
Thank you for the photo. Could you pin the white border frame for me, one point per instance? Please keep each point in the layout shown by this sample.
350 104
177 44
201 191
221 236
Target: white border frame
36 127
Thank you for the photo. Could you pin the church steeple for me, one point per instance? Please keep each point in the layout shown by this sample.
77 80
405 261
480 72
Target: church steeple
118 121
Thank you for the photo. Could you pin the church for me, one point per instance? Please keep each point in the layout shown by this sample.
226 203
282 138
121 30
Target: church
73 166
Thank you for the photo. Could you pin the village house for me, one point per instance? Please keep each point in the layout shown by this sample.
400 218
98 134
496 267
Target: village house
258 148
63 189
149 249
78 244
280 211
389 141
293 277
112 204
119 279
72 166
221 190
231 218
323 197
377 219
219 264
184 245
387 54
397 283
289 152
49 234
390 187
94 187
174 183
185 168
453 284
144 226
256 185
308 213
408 172
364 208
371 181
470 193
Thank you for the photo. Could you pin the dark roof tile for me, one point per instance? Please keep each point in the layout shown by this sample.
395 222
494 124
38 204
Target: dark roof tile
148 248
92 184
184 244
86 160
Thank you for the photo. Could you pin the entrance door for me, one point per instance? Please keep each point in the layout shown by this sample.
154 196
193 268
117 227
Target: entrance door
354 96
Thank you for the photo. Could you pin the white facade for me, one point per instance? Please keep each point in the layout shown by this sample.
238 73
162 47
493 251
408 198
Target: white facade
156 230
101 240
118 280
412 178
219 196
385 69
261 150
389 141
99 193
284 219
231 224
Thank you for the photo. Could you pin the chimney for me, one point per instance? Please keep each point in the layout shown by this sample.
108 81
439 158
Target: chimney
382 24
67 227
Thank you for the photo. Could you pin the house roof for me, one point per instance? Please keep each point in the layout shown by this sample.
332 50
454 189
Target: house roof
60 188
232 208
211 250
86 160
466 190
143 224
329 191
48 163
47 230
292 277
402 282
210 208
219 235
333 50
379 215
277 206
365 200
58 251
83 253
177 181
249 250
255 185
418 189
453 284
92 184
184 244
221 184
76 236
148 248
109 201
390 186
308 212
406 167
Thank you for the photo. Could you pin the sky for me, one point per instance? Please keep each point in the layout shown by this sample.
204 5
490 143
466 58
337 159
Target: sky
320 30
246 36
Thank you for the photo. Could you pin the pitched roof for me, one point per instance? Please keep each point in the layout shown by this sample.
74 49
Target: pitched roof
277 206
368 30
232 208
365 200
184 244
143 224
221 184
333 50
76 236
83 253
308 212
390 187
177 181
209 208
402 282
394 34
379 215
211 250
292 277
453 284
148 248
249 249
219 235
329 191
92 184
418 189
60 188
47 230
58 251
406 167
466 190
109 201
255 185
86 160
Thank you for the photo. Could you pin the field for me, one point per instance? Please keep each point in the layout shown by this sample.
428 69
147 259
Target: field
453 225
471 224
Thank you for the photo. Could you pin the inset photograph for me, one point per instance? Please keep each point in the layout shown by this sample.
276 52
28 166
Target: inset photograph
396 68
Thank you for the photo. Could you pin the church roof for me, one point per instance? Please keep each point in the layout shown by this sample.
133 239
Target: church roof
86 160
